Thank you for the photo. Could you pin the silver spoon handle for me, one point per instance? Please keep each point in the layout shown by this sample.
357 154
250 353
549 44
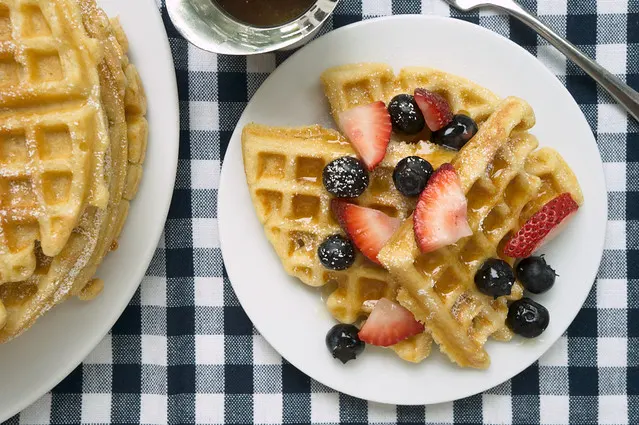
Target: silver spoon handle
623 93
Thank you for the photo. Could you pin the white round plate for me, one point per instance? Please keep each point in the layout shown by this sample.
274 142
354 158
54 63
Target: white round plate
293 318
36 361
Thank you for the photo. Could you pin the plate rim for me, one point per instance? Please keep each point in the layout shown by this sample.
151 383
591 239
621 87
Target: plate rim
235 136
171 91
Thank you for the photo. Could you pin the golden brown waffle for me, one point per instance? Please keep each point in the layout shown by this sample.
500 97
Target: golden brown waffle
53 131
71 272
277 161
128 109
504 181
284 174
348 86
124 101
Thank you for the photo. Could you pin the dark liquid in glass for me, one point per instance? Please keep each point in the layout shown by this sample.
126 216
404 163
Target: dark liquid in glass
265 13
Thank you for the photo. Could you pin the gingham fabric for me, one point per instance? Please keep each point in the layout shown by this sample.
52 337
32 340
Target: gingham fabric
185 352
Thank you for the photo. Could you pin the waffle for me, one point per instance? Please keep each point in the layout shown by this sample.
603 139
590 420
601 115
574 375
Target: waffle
348 86
124 100
53 131
284 174
351 85
284 167
505 182
71 272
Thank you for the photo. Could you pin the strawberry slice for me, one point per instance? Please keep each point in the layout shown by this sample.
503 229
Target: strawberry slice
440 214
388 324
542 226
369 229
434 107
368 128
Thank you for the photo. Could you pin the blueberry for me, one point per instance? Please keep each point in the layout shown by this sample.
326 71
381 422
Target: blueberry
336 253
535 274
345 177
411 175
405 114
455 135
343 343
495 278
527 318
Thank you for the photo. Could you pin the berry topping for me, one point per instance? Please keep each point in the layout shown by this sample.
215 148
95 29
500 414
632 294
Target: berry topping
411 175
440 215
336 253
495 278
535 274
369 229
388 324
542 226
368 128
405 114
435 108
527 318
343 343
455 135
345 177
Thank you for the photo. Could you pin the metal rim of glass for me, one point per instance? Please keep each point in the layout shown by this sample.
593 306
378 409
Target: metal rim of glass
207 26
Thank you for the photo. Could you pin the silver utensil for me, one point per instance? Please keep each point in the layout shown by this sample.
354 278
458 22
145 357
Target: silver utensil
623 93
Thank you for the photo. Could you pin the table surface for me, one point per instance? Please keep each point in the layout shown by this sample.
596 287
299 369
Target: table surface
185 352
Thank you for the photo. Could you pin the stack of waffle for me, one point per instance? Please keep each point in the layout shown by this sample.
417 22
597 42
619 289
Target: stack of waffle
72 140
504 178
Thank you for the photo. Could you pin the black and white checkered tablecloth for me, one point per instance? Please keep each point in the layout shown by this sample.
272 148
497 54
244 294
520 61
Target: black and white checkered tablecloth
185 352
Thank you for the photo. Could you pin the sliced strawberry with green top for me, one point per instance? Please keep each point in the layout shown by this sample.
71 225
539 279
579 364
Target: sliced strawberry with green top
440 215
369 229
434 107
388 324
368 128
542 226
